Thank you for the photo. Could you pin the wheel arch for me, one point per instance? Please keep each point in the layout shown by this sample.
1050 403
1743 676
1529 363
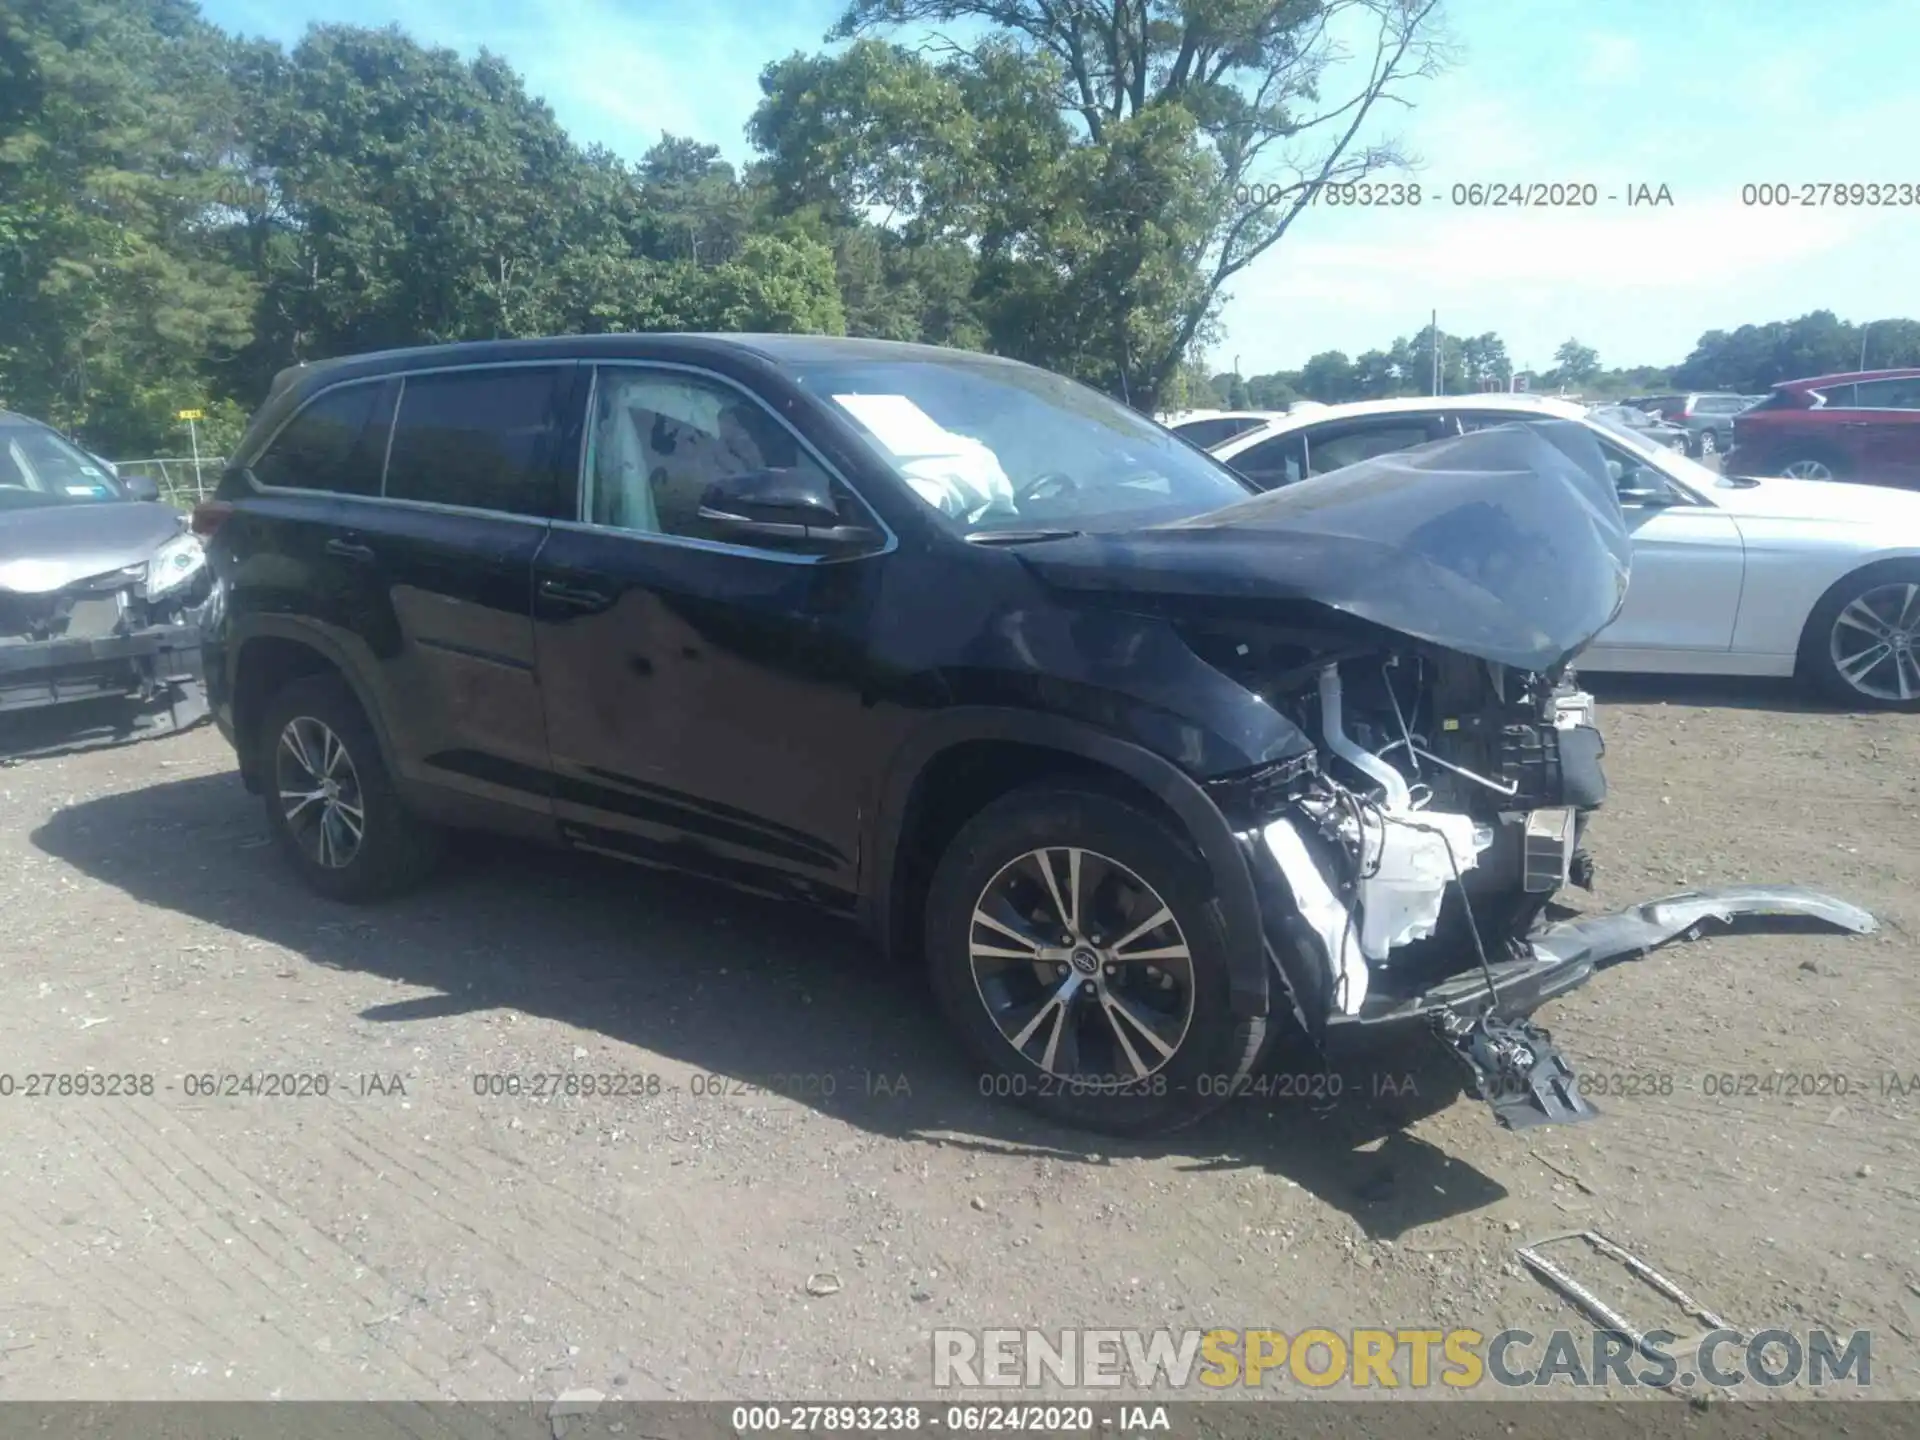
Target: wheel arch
966 758
1884 563
271 657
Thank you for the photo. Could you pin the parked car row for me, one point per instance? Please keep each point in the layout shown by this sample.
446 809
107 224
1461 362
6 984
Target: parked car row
1732 576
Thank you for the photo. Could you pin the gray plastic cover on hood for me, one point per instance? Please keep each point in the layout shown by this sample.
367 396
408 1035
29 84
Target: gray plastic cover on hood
1507 544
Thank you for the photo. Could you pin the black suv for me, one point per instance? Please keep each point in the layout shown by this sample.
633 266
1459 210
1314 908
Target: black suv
1135 760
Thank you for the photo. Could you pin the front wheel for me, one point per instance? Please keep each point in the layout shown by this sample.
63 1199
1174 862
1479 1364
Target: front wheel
1862 642
1708 445
1077 949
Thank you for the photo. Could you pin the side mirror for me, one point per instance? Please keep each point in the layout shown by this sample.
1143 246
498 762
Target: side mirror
142 487
1651 498
782 507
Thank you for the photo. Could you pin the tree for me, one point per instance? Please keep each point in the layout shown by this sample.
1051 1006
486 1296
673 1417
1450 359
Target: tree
1573 363
1096 151
115 304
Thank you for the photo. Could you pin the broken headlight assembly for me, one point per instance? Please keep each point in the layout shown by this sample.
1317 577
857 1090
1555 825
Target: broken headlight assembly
174 566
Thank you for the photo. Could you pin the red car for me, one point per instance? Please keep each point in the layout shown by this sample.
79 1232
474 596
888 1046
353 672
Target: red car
1862 426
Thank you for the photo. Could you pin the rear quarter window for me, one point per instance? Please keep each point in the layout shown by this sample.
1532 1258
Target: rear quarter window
335 442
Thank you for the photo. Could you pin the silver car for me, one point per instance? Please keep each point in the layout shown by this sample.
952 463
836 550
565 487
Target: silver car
101 588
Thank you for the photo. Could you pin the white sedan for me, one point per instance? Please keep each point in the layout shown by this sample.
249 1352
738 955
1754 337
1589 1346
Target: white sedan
1730 576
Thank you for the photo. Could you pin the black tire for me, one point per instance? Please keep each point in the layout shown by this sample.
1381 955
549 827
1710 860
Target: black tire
1709 444
395 850
1213 1053
1818 663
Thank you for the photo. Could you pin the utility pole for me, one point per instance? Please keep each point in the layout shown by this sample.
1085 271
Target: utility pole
1433 345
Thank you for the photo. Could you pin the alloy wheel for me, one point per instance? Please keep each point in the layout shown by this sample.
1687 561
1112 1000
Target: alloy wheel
1707 443
1082 966
320 793
1808 470
1875 642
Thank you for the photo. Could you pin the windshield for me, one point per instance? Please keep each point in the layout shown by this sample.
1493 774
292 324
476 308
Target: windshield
37 467
1001 448
1673 463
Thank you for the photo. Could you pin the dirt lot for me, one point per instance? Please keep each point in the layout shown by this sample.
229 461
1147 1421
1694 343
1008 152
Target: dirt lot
403 1236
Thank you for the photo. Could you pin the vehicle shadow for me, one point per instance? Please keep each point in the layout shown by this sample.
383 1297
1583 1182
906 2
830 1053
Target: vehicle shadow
741 988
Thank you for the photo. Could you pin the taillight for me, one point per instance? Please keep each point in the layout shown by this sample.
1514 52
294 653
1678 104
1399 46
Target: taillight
209 516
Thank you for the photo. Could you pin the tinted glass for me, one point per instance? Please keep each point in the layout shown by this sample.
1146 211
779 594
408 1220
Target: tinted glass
1208 433
482 439
1720 404
1888 394
1339 449
659 438
1279 461
1835 397
322 447
993 446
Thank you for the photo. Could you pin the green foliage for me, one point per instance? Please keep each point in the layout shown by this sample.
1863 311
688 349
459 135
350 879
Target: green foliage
1754 358
183 213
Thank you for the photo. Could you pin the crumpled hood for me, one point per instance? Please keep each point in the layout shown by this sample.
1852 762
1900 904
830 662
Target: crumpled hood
1507 544
47 547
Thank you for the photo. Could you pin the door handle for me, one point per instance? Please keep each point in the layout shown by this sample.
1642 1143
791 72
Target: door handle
350 550
582 596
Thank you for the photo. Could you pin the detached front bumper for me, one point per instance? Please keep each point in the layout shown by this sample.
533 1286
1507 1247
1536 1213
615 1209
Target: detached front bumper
75 693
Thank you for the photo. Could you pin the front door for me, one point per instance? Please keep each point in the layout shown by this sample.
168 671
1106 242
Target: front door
704 699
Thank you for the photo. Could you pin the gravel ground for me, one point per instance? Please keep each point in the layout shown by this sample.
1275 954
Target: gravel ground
403 1236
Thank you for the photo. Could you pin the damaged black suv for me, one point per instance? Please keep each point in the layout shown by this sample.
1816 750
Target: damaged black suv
1143 766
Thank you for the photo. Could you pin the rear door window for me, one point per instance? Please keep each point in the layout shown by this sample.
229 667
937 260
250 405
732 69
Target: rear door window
1888 394
1272 463
481 439
1333 448
335 443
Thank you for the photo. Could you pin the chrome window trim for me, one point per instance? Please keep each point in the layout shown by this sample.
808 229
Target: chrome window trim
890 543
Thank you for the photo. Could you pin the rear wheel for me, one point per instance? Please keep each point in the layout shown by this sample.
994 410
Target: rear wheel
1708 444
1862 642
331 804
1076 947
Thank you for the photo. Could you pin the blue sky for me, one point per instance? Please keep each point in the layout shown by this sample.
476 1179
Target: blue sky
1702 97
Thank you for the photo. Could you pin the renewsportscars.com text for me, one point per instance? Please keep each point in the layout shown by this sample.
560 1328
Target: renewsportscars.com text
1215 1360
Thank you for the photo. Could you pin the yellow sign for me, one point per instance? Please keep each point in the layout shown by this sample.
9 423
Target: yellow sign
191 415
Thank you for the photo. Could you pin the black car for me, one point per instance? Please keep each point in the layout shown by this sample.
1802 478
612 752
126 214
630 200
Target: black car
1144 766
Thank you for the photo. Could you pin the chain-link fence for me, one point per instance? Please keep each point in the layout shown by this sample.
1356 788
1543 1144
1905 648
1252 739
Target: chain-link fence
182 482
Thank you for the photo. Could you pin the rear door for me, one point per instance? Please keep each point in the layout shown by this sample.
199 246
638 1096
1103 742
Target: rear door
1883 433
443 564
